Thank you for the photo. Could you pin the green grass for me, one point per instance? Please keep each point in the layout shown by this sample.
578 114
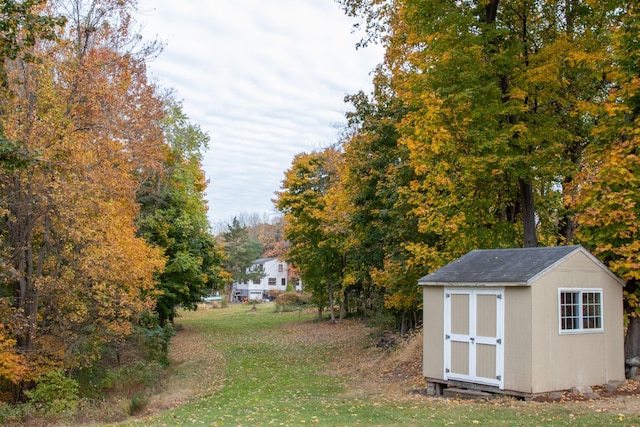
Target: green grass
274 377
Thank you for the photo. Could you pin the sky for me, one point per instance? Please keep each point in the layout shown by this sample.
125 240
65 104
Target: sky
265 79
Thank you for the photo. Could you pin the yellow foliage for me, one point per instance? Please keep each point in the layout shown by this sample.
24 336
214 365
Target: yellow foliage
13 366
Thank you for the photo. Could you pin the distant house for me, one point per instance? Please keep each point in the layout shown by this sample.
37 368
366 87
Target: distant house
523 322
275 276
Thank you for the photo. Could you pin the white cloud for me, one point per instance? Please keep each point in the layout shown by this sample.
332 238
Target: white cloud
265 79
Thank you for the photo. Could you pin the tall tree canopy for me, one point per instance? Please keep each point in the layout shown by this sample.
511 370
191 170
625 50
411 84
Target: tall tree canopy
174 217
314 226
606 195
84 135
491 124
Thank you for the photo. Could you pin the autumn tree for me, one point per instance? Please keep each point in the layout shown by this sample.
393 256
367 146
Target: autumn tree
381 229
21 24
174 218
267 229
313 226
77 276
498 97
606 196
493 106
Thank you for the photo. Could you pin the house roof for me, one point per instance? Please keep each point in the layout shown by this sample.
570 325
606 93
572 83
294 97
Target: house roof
506 267
263 260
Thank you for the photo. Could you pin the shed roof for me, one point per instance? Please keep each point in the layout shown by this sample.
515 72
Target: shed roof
506 267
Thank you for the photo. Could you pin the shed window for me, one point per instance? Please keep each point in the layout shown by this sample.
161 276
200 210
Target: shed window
580 310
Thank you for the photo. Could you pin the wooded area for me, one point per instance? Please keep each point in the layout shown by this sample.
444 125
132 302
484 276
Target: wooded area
492 124
104 226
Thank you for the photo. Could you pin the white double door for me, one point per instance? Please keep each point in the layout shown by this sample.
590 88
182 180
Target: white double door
474 335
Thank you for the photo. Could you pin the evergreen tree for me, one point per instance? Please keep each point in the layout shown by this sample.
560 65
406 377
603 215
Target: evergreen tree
240 251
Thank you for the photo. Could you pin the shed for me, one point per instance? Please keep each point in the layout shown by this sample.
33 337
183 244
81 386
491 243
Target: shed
523 322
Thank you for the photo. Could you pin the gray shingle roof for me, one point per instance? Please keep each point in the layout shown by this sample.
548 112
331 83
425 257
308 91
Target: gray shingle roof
501 266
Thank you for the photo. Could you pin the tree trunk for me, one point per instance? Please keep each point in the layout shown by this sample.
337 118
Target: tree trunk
632 339
490 11
404 328
332 310
567 228
528 214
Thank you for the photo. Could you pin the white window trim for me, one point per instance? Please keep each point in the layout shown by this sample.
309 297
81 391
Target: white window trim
581 330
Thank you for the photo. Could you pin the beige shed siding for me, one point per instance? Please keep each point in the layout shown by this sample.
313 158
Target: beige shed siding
517 339
433 348
563 361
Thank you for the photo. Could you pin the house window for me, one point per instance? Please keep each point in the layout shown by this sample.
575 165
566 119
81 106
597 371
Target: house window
580 310
272 281
280 268
283 281
256 281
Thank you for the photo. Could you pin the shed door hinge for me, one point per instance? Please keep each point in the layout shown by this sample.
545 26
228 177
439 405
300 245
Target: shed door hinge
499 341
499 296
447 337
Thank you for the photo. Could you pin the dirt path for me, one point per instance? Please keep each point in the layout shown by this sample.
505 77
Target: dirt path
196 368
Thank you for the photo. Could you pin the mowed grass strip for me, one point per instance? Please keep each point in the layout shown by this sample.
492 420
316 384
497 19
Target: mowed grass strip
289 370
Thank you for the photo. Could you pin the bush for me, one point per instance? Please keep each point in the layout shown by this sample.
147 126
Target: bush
156 342
138 402
132 378
292 301
54 393
14 415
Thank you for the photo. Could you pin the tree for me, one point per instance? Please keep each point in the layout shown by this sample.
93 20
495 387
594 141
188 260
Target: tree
22 24
606 195
312 225
77 276
173 217
476 129
381 229
240 251
266 229
498 98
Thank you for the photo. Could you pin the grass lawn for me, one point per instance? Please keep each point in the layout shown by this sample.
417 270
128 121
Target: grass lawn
243 367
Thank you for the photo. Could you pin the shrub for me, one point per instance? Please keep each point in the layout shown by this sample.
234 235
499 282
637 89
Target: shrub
138 402
292 301
14 415
54 393
156 343
132 378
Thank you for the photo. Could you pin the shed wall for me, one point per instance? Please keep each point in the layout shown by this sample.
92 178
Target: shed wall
433 331
517 339
563 361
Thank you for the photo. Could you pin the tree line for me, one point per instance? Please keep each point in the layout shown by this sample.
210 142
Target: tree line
104 231
491 124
